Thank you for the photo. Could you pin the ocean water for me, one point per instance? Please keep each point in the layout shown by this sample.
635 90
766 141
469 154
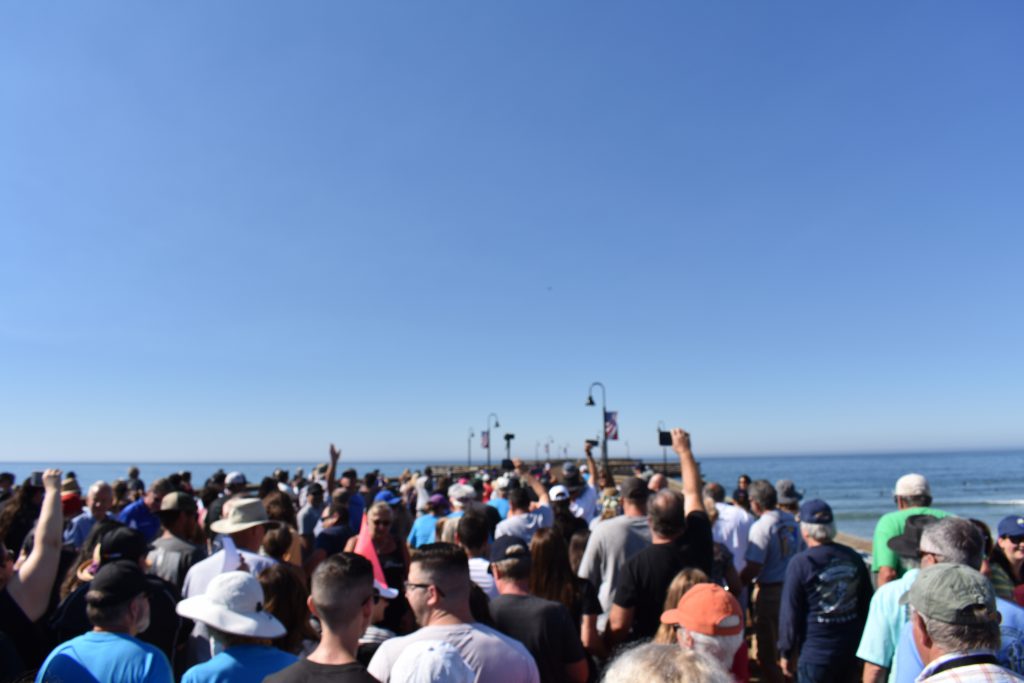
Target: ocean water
980 485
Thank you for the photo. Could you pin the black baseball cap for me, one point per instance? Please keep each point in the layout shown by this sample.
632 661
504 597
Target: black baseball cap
122 543
509 548
117 582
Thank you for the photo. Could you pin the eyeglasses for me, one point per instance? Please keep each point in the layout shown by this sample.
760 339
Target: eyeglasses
1016 540
410 584
382 522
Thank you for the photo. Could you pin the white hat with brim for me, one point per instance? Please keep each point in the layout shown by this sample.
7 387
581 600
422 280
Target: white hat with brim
233 603
383 591
245 514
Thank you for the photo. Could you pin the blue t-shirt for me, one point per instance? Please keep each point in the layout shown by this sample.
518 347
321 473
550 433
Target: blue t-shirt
501 505
774 538
138 516
240 664
1011 651
422 531
108 657
824 604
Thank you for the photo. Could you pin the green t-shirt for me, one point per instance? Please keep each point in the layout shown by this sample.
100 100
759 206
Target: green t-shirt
889 525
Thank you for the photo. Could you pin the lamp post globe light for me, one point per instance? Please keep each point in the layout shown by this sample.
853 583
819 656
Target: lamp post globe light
496 424
604 431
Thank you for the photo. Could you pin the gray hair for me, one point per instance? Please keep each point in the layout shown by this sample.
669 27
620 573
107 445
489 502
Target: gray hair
963 637
654 663
722 648
763 493
822 533
955 540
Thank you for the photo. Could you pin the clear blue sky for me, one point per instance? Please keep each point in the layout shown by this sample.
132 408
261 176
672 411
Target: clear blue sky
245 229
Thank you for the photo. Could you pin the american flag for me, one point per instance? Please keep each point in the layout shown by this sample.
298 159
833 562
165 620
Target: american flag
485 438
611 425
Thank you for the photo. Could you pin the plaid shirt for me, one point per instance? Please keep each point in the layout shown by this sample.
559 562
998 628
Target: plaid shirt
971 673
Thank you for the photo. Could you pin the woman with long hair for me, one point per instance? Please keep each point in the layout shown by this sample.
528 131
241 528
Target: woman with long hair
19 515
552 578
286 590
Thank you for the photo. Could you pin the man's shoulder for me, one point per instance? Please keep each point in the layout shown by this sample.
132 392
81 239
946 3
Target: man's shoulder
304 670
981 673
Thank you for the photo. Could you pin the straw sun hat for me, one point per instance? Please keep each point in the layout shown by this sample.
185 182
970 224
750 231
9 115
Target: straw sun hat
233 603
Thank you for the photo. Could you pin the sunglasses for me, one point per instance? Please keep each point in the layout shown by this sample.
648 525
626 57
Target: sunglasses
1016 540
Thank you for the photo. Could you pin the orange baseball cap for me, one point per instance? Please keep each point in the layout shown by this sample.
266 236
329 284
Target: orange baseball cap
709 609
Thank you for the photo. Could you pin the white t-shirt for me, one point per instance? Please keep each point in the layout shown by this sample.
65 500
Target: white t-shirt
479 573
493 656
732 529
585 505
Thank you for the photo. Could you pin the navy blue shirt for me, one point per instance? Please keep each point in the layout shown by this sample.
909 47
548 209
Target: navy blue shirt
825 602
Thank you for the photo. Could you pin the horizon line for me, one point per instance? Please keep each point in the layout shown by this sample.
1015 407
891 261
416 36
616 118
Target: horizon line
644 458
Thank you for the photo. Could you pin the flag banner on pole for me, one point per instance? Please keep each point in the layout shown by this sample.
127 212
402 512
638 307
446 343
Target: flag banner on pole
611 425
364 547
485 438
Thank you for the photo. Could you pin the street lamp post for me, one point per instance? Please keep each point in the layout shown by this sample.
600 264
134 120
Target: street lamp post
604 430
496 424
469 448
508 445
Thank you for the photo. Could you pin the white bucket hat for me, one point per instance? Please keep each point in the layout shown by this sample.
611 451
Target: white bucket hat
233 603
245 513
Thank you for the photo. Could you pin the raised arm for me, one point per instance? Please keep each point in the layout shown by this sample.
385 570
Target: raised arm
694 499
538 488
31 585
588 450
332 470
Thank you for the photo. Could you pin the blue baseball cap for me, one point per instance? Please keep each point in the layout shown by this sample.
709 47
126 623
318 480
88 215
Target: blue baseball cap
388 497
1011 526
816 511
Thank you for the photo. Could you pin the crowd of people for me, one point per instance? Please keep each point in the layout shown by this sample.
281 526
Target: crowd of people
522 575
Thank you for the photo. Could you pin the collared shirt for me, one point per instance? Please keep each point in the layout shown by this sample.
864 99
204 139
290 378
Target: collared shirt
79 528
971 673
1011 645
